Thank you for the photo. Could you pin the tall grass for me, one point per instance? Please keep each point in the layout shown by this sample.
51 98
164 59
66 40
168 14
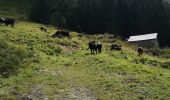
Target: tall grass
12 57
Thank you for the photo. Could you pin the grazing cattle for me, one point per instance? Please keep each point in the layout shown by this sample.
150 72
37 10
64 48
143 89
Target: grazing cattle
92 47
99 47
8 21
43 29
140 51
2 20
95 47
116 47
61 34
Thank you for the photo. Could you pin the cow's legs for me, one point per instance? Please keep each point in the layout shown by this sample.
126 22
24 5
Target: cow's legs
91 51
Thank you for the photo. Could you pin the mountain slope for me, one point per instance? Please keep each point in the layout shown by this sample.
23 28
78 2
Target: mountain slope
64 69
36 66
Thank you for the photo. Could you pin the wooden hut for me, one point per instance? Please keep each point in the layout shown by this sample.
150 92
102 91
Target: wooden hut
145 41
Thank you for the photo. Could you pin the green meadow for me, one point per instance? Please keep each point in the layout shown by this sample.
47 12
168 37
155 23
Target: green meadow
35 66
40 67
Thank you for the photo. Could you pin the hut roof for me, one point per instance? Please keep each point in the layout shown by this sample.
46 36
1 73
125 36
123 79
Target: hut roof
143 37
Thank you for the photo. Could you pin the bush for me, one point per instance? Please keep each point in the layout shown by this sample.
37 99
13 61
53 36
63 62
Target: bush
11 58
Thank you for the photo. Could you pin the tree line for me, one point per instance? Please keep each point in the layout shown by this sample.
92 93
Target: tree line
119 17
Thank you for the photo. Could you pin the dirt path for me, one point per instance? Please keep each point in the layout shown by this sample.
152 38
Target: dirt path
81 93
76 92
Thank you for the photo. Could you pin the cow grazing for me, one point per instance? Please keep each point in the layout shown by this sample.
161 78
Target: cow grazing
99 47
116 47
43 29
92 47
95 47
140 51
61 34
8 21
2 20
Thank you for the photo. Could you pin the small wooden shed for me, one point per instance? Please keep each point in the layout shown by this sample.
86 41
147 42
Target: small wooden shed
145 41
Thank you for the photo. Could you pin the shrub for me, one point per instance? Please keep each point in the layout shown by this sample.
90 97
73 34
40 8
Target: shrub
11 58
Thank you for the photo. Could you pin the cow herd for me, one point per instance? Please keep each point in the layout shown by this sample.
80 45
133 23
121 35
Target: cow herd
95 47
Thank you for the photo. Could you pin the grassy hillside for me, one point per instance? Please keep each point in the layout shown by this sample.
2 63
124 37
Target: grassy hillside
15 8
35 66
62 69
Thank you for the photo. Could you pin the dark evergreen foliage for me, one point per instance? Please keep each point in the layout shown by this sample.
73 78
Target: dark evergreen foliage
119 17
40 11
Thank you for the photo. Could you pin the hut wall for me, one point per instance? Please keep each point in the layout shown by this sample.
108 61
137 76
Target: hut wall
147 43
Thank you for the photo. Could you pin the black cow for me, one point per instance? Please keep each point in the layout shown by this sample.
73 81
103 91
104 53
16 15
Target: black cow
9 21
99 47
140 51
116 47
61 34
43 29
95 47
92 47
2 20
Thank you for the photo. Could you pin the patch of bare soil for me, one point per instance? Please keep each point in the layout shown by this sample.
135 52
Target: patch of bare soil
36 94
76 92
70 49
81 93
